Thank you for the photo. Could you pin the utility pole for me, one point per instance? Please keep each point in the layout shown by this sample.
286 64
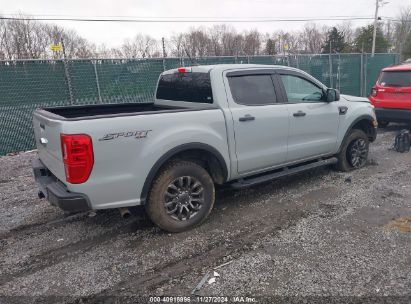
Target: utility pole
164 47
374 34
378 3
164 54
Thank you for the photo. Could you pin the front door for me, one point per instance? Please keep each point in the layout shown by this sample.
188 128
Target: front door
313 121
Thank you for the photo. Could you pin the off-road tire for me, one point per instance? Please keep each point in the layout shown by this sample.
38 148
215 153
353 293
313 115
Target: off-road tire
155 206
344 154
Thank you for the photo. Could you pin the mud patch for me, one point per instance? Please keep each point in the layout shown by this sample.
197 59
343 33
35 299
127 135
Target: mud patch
402 224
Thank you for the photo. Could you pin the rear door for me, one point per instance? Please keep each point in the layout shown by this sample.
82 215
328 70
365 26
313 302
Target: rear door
260 120
394 90
313 121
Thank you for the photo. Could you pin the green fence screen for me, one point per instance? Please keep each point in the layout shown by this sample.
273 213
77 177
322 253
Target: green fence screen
29 84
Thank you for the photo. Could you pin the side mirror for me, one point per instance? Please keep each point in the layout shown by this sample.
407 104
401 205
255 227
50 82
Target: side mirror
333 95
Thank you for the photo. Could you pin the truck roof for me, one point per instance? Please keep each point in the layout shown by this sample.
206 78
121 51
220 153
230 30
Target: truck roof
225 67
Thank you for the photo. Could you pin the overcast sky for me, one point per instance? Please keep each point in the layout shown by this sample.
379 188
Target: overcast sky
113 34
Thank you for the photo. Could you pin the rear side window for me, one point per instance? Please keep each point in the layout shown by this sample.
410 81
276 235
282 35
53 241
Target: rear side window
396 79
192 87
252 89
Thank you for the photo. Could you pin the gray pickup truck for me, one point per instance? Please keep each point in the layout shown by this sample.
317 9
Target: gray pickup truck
225 124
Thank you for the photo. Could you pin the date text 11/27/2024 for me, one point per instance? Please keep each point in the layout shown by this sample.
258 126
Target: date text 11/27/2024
202 299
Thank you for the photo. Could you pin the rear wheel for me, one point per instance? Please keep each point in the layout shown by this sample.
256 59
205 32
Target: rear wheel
181 196
354 151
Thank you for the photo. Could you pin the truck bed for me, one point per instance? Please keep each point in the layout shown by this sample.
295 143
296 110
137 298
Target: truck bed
106 110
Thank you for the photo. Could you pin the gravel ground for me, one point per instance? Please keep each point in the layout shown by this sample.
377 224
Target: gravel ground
320 233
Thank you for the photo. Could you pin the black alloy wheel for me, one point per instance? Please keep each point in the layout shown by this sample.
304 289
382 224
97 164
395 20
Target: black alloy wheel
357 153
184 197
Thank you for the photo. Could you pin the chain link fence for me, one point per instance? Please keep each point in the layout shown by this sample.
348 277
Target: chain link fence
29 84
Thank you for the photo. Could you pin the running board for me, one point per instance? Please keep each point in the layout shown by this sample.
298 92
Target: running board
251 181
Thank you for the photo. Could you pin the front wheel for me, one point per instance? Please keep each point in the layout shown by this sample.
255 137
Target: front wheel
354 151
181 196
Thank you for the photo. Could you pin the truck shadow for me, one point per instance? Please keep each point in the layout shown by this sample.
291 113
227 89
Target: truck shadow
226 197
395 127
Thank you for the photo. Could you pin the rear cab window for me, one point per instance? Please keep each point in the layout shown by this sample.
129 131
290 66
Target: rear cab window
189 87
395 79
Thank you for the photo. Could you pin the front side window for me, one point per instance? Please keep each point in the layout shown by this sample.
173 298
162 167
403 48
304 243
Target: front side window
252 89
299 90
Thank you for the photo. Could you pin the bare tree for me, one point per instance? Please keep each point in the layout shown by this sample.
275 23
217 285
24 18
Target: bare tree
24 39
196 43
20 39
216 34
388 29
29 39
2 40
347 29
103 52
233 43
311 38
225 41
74 45
141 46
177 45
402 29
252 42
289 42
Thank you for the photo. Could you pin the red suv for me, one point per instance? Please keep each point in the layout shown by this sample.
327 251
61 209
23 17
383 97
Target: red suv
391 95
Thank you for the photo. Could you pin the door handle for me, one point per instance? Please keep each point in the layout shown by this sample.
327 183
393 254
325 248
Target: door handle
247 117
299 114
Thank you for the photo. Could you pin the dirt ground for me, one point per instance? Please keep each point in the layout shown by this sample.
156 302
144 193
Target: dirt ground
320 233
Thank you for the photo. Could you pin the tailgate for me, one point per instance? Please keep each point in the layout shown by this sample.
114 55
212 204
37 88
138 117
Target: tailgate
47 135
394 98
394 89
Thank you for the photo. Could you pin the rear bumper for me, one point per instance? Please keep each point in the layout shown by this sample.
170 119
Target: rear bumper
56 192
393 115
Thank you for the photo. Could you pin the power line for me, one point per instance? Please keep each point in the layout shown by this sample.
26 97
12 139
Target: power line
17 15
141 20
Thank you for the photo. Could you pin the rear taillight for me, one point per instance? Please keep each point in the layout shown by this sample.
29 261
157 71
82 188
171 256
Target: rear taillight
78 157
374 92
